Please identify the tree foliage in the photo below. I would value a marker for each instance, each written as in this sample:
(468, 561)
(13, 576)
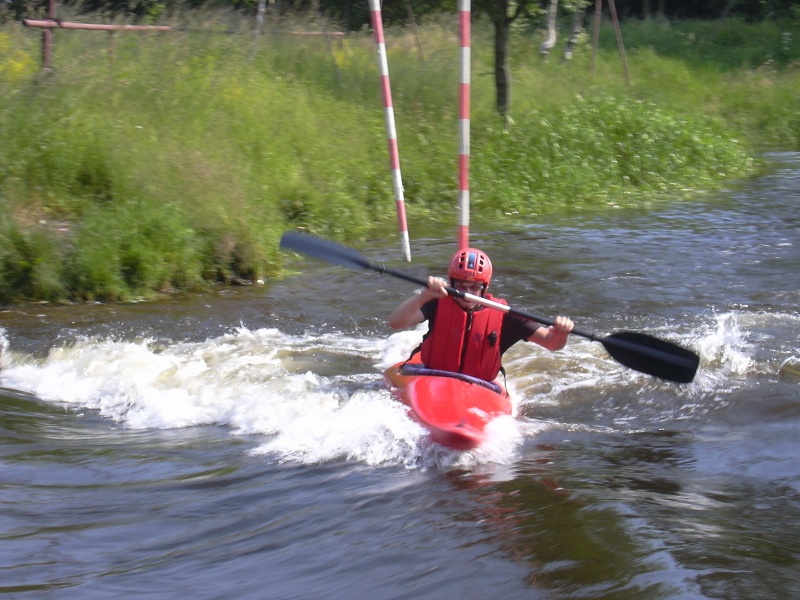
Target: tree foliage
(354, 14)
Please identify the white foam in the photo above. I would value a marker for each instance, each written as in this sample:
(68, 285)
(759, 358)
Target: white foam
(292, 390)
(726, 344)
(256, 383)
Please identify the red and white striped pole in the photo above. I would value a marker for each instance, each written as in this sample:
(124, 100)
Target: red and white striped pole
(464, 13)
(391, 132)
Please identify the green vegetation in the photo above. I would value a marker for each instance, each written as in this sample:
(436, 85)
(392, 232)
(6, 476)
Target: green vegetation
(159, 161)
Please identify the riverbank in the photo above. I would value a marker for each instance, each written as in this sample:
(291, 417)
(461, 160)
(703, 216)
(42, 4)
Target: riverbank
(171, 161)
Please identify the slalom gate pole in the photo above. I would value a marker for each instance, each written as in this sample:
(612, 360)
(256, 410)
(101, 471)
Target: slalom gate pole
(391, 131)
(464, 13)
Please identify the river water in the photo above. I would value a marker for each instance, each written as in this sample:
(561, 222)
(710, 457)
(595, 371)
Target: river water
(240, 444)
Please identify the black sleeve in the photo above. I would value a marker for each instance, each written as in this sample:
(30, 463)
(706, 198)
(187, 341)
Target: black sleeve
(516, 329)
(429, 310)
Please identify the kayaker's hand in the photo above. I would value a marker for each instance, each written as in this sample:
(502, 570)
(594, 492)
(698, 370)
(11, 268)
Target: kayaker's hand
(558, 333)
(562, 325)
(409, 313)
(437, 287)
(555, 336)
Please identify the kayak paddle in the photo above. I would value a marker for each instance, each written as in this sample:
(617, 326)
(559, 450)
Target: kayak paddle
(637, 351)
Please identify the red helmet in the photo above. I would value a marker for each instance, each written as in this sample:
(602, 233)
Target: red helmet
(471, 264)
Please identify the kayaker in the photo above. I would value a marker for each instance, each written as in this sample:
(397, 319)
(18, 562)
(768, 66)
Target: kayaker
(464, 336)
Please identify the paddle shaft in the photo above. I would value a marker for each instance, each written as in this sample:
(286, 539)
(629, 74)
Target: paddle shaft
(477, 299)
(638, 351)
(611, 343)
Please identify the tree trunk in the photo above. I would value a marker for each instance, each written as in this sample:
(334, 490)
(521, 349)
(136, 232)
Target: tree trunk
(502, 73)
(577, 28)
(551, 20)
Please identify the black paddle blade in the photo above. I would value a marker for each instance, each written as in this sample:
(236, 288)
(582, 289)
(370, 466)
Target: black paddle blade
(650, 355)
(323, 250)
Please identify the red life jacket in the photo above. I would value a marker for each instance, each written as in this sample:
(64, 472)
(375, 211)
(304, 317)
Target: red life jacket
(464, 341)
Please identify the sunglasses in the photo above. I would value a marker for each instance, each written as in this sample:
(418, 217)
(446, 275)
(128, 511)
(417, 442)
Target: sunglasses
(471, 287)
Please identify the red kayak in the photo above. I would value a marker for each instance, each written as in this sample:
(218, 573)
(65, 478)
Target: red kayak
(455, 408)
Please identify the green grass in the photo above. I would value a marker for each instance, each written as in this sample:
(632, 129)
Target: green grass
(152, 162)
(728, 45)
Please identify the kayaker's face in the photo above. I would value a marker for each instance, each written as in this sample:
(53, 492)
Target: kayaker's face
(470, 287)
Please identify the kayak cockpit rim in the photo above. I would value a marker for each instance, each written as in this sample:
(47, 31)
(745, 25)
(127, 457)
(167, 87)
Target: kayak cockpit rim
(418, 370)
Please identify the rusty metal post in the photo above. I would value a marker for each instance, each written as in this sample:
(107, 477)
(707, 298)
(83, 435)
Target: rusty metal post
(47, 38)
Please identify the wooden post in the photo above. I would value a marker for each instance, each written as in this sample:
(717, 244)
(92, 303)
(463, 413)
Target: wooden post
(620, 45)
(414, 27)
(598, 6)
